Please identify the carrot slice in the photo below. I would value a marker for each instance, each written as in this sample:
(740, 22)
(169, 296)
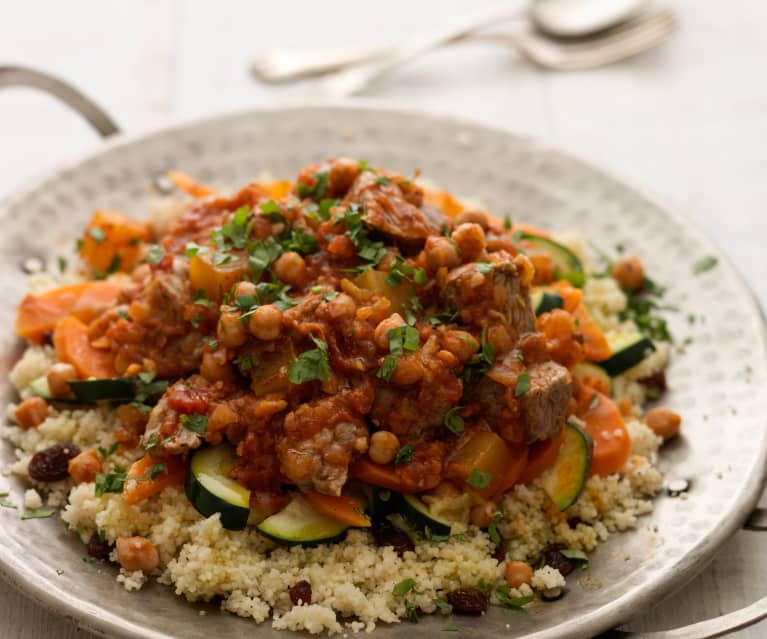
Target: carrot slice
(486, 452)
(529, 228)
(514, 471)
(149, 476)
(572, 296)
(378, 475)
(450, 205)
(112, 242)
(542, 456)
(72, 344)
(278, 189)
(595, 346)
(39, 314)
(189, 185)
(612, 444)
(344, 508)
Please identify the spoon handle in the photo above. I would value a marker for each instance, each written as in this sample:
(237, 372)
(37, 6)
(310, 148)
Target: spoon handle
(357, 79)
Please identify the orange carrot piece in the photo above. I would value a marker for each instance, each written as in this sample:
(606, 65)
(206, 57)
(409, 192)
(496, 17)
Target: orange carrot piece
(595, 346)
(278, 189)
(344, 508)
(443, 200)
(72, 344)
(39, 314)
(482, 451)
(379, 475)
(513, 473)
(572, 296)
(542, 455)
(529, 228)
(147, 478)
(189, 185)
(112, 242)
(612, 445)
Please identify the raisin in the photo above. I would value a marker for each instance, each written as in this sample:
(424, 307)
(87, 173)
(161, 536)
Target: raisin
(656, 381)
(574, 521)
(499, 554)
(468, 601)
(550, 556)
(98, 548)
(301, 593)
(387, 534)
(51, 464)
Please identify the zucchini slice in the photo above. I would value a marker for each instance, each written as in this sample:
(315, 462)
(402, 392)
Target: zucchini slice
(417, 514)
(210, 489)
(588, 370)
(299, 523)
(565, 261)
(564, 481)
(40, 388)
(118, 389)
(544, 302)
(628, 349)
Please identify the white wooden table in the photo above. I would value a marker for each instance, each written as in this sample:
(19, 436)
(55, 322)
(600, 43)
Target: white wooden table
(687, 121)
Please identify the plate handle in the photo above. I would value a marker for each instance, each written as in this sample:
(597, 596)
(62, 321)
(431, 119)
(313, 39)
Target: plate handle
(97, 117)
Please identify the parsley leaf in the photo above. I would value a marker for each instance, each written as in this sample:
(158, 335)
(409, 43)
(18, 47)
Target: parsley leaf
(97, 234)
(502, 593)
(62, 264)
(483, 267)
(576, 555)
(388, 366)
(272, 209)
(106, 453)
(403, 338)
(404, 455)
(195, 422)
(403, 587)
(704, 264)
(492, 528)
(316, 191)
(479, 479)
(453, 421)
(111, 482)
(311, 365)
(38, 513)
(155, 254)
(443, 606)
(523, 385)
(261, 255)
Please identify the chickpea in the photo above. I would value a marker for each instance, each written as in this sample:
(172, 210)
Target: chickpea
(517, 573)
(244, 288)
(85, 466)
(137, 553)
(441, 251)
(470, 240)
(383, 447)
(266, 322)
(629, 273)
(664, 422)
(215, 367)
(384, 326)
(482, 513)
(499, 337)
(473, 216)
(291, 269)
(342, 247)
(230, 330)
(342, 307)
(409, 370)
(31, 412)
(58, 376)
(462, 344)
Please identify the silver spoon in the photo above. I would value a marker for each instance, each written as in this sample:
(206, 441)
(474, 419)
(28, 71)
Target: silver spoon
(558, 18)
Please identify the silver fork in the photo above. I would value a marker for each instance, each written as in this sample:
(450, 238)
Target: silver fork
(626, 40)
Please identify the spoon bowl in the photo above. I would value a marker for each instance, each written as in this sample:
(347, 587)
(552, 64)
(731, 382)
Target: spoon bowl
(581, 18)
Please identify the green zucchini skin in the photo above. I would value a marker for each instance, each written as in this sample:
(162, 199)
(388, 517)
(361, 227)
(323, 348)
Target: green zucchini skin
(565, 261)
(118, 389)
(545, 302)
(40, 388)
(298, 523)
(627, 351)
(417, 515)
(210, 490)
(564, 481)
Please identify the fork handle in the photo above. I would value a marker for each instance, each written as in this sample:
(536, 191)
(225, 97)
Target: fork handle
(357, 79)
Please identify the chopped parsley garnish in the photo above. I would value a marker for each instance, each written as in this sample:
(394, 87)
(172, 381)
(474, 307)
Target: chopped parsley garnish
(246, 362)
(704, 264)
(403, 338)
(152, 441)
(382, 180)
(210, 342)
(443, 606)
(330, 295)
(79, 244)
(318, 190)
(576, 278)
(147, 387)
(446, 317)
(594, 401)
(311, 365)
(155, 254)
(97, 234)
(487, 351)
(388, 366)
(155, 470)
(106, 453)
(411, 612)
(272, 209)
(367, 250)
(111, 482)
(262, 254)
(196, 321)
(483, 267)
(404, 455)
(640, 307)
(200, 299)
(492, 528)
(419, 276)
(5, 502)
(479, 479)
(114, 264)
(403, 587)
(507, 222)
(233, 234)
(195, 422)
(523, 385)
(298, 240)
(652, 394)
(576, 555)
(502, 594)
(38, 513)
(62, 264)
(453, 421)
(192, 249)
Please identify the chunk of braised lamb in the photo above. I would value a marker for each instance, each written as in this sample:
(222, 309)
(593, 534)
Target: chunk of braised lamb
(501, 286)
(388, 211)
(544, 404)
(318, 441)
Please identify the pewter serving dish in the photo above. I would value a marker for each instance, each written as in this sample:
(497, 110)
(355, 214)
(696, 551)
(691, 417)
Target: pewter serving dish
(723, 451)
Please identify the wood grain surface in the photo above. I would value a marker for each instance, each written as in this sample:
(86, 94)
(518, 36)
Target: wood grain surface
(687, 122)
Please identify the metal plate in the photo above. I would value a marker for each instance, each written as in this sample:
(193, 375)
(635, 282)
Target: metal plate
(717, 384)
